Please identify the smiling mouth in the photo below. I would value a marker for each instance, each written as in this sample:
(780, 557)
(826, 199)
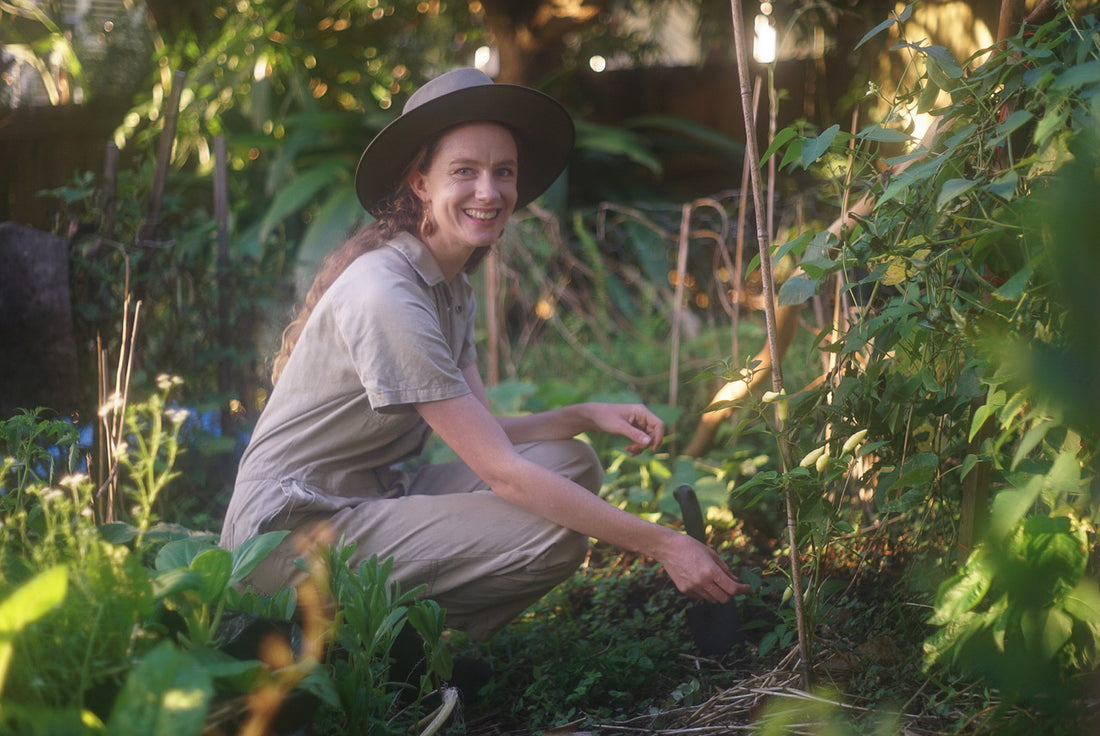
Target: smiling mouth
(482, 214)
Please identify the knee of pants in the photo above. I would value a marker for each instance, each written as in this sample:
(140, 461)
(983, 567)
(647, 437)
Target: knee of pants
(571, 458)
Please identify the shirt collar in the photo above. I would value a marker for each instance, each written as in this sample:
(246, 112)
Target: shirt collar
(418, 256)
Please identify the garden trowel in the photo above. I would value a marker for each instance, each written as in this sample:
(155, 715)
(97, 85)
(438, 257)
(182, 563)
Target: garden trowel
(716, 627)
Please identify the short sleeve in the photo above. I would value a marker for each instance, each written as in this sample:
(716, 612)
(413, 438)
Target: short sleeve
(402, 350)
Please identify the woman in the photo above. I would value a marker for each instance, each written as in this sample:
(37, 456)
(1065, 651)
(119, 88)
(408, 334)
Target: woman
(382, 354)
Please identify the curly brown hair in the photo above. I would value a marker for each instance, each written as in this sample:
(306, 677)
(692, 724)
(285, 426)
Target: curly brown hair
(401, 211)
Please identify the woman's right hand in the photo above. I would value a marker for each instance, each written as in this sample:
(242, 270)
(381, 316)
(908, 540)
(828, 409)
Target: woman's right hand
(697, 570)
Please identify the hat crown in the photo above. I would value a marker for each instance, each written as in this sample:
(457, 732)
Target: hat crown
(445, 84)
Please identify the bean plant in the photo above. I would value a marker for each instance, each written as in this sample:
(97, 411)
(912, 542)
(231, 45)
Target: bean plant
(967, 371)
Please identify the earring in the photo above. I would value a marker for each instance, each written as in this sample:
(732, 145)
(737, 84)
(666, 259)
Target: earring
(427, 226)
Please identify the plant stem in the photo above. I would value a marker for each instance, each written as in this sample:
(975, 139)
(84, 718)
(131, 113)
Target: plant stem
(768, 282)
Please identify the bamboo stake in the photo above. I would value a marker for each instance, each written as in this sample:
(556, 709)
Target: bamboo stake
(221, 216)
(678, 304)
(164, 157)
(768, 283)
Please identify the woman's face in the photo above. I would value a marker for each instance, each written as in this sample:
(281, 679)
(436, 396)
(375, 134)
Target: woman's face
(469, 188)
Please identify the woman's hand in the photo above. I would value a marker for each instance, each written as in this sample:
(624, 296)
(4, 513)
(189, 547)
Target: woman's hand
(697, 570)
(634, 421)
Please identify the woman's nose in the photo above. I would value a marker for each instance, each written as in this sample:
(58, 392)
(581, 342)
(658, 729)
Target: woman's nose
(487, 188)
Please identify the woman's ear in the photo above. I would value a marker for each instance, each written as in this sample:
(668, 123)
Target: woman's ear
(418, 186)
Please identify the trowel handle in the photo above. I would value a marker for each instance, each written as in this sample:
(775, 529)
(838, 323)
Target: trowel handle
(692, 513)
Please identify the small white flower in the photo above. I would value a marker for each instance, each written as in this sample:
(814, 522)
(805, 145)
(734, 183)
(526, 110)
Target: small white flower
(177, 415)
(113, 404)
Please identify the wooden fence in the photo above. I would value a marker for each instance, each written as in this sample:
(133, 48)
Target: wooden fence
(44, 148)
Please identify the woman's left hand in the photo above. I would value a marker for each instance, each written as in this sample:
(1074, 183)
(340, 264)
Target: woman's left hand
(634, 421)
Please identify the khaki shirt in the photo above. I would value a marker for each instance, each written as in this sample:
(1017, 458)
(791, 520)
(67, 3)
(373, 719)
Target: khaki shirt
(389, 333)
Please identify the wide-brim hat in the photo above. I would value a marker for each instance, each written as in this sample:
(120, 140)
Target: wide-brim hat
(542, 128)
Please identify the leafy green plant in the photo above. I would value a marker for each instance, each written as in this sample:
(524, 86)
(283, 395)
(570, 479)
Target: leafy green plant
(371, 611)
(952, 271)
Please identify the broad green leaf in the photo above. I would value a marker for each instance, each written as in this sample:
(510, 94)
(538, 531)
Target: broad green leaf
(1009, 507)
(796, 290)
(167, 694)
(953, 189)
(903, 15)
(815, 148)
(1078, 75)
(1057, 629)
(175, 580)
(963, 592)
(1053, 549)
(334, 221)
(118, 532)
(1052, 122)
(1004, 186)
(780, 140)
(1063, 479)
(296, 192)
(1029, 441)
(928, 96)
(882, 134)
(252, 552)
(31, 601)
(949, 638)
(179, 554)
(1083, 603)
(1011, 123)
(796, 246)
(793, 154)
(1015, 287)
(214, 566)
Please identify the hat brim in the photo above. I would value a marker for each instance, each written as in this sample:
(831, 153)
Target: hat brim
(543, 129)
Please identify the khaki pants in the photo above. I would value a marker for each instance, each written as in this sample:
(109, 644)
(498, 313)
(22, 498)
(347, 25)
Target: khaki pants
(483, 559)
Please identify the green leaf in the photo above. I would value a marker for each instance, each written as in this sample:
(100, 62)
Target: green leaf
(118, 532)
(1052, 122)
(953, 189)
(1032, 438)
(815, 148)
(1078, 75)
(214, 566)
(31, 601)
(167, 694)
(1057, 630)
(173, 581)
(1083, 603)
(252, 552)
(1009, 507)
(329, 227)
(1015, 287)
(780, 140)
(295, 193)
(179, 553)
(1011, 123)
(903, 15)
(882, 134)
(963, 592)
(1004, 186)
(796, 290)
